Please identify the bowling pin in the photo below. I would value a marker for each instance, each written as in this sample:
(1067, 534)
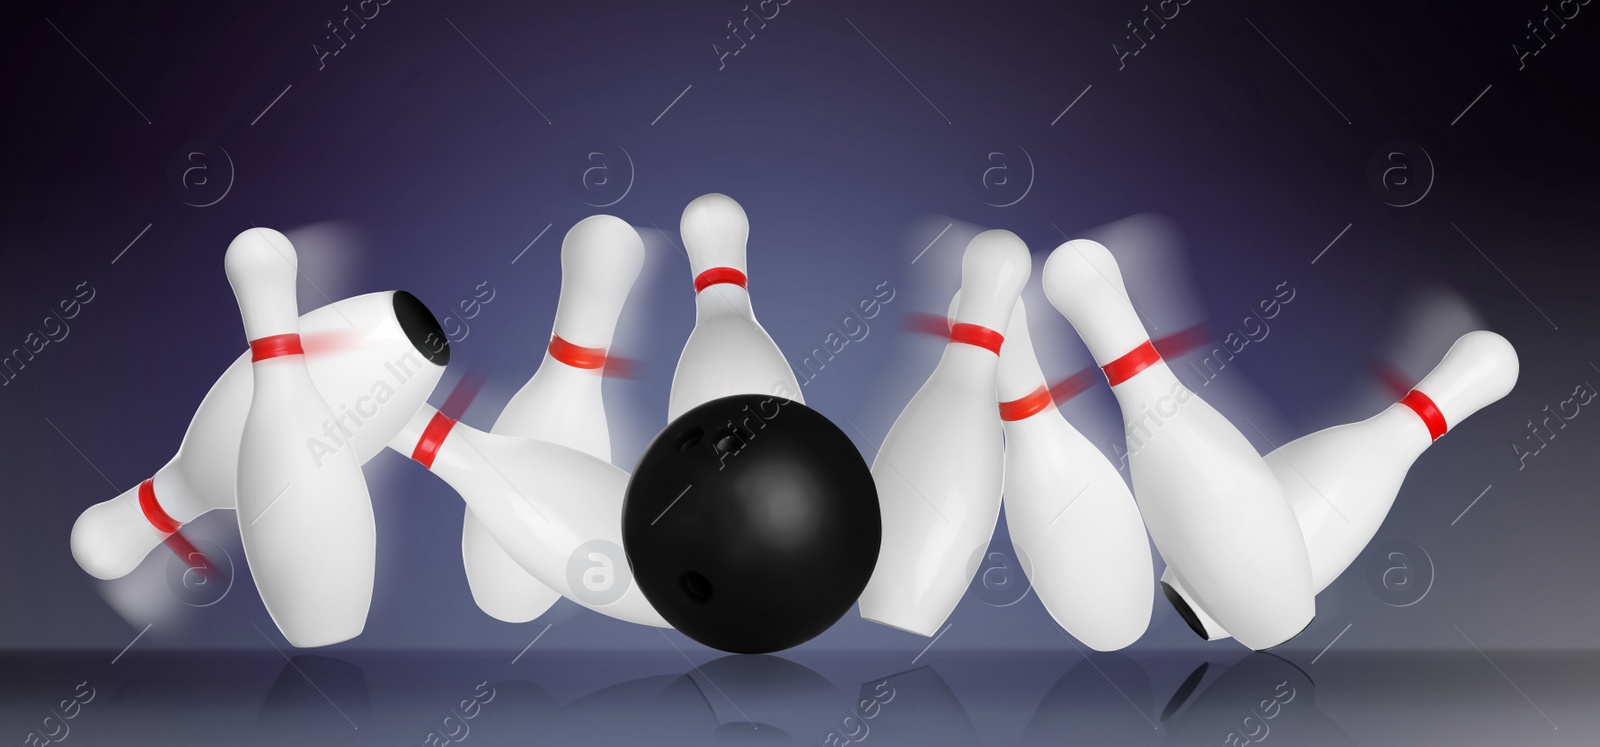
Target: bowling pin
(600, 259)
(383, 353)
(728, 352)
(1342, 481)
(556, 511)
(939, 470)
(304, 513)
(1073, 522)
(1213, 507)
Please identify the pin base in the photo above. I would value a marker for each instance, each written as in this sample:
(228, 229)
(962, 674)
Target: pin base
(901, 628)
(1290, 638)
(421, 328)
(1184, 611)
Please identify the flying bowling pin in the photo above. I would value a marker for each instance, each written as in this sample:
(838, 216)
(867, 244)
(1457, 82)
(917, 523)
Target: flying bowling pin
(600, 259)
(1213, 507)
(728, 352)
(556, 511)
(304, 514)
(1072, 520)
(940, 468)
(1342, 481)
(385, 352)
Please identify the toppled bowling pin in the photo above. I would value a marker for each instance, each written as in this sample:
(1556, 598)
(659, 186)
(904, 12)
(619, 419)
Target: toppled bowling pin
(556, 511)
(384, 353)
(1213, 507)
(1342, 481)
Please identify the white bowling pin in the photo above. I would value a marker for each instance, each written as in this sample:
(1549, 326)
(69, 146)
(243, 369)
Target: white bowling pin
(600, 259)
(556, 511)
(1342, 481)
(939, 470)
(381, 355)
(728, 352)
(1073, 522)
(1213, 507)
(304, 513)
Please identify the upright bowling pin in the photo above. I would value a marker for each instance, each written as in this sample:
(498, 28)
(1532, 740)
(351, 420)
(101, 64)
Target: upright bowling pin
(728, 352)
(939, 470)
(384, 354)
(1214, 509)
(1342, 481)
(600, 260)
(304, 514)
(556, 511)
(1072, 520)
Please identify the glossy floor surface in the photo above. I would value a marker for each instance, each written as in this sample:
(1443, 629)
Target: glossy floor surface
(697, 697)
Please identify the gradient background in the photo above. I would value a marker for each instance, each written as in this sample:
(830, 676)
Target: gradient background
(444, 141)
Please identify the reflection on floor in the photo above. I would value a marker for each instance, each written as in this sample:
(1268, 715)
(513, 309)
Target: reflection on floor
(954, 698)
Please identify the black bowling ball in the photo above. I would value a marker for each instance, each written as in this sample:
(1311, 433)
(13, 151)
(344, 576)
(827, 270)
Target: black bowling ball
(751, 523)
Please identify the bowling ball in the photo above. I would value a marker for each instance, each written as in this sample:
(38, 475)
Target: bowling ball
(751, 523)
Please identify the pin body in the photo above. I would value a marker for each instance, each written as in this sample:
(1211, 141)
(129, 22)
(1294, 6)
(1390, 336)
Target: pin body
(1342, 481)
(304, 515)
(1072, 520)
(939, 470)
(600, 259)
(728, 352)
(556, 511)
(385, 352)
(1213, 507)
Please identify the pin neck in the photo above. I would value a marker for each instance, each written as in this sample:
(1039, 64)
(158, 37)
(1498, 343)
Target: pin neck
(976, 335)
(432, 438)
(576, 356)
(1423, 406)
(718, 276)
(1026, 407)
(1131, 363)
(153, 512)
(275, 346)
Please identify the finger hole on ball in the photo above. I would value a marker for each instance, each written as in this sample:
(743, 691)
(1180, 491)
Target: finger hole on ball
(689, 439)
(728, 441)
(697, 587)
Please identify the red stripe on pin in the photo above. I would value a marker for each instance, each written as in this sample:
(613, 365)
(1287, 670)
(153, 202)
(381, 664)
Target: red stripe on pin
(432, 438)
(717, 276)
(1131, 363)
(153, 512)
(1428, 411)
(275, 346)
(1026, 407)
(972, 334)
(577, 356)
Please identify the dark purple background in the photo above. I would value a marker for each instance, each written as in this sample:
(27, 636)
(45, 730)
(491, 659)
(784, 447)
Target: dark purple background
(443, 171)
